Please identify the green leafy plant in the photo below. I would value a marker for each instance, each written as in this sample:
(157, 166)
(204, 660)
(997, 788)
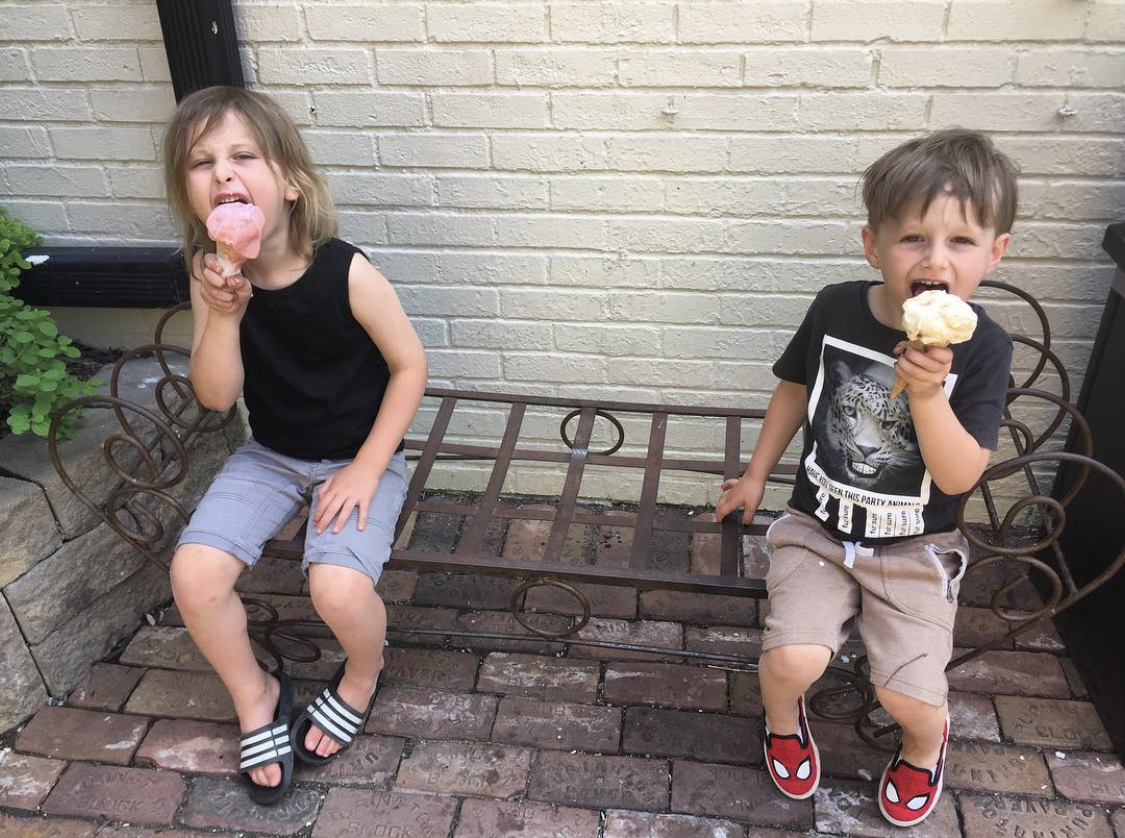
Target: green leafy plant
(33, 377)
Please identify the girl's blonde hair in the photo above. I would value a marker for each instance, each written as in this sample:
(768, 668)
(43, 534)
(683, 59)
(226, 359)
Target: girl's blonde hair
(312, 218)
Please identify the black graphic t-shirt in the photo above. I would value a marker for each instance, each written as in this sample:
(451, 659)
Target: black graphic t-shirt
(861, 470)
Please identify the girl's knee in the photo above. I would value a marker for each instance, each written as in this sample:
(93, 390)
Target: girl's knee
(906, 708)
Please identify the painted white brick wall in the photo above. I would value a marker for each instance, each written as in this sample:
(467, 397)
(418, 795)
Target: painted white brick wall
(634, 199)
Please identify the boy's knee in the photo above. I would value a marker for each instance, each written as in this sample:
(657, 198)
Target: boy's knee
(905, 708)
(201, 575)
(336, 596)
(804, 662)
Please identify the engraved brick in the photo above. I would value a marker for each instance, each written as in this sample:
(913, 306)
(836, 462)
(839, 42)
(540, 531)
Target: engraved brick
(972, 716)
(702, 609)
(167, 647)
(224, 804)
(396, 585)
(844, 754)
(13, 827)
(701, 736)
(197, 747)
(730, 791)
(112, 831)
(435, 532)
(466, 768)
(361, 813)
(725, 640)
(1042, 637)
(426, 668)
(605, 600)
(527, 539)
(1118, 820)
(557, 725)
(559, 680)
(745, 694)
(989, 767)
(190, 695)
(371, 760)
(1052, 724)
(977, 626)
(645, 825)
(506, 623)
(274, 576)
(1097, 778)
(685, 687)
(849, 808)
(69, 733)
(26, 780)
(427, 714)
(641, 633)
(402, 618)
(599, 782)
(1021, 673)
(136, 795)
(106, 687)
(512, 819)
(463, 590)
(1011, 817)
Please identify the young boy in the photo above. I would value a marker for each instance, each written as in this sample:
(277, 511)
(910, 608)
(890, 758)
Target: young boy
(870, 533)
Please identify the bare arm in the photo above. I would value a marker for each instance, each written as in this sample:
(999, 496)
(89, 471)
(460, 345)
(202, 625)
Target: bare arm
(216, 358)
(784, 417)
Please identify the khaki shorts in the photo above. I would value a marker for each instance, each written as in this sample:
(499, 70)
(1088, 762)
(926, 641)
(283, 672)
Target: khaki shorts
(902, 596)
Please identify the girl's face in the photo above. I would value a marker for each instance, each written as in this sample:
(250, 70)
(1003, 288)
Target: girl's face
(227, 165)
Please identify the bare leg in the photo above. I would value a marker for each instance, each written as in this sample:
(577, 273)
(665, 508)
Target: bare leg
(203, 583)
(922, 726)
(347, 602)
(785, 673)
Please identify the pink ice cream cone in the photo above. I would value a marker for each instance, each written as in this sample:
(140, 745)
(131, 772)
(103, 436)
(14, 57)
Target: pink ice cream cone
(236, 229)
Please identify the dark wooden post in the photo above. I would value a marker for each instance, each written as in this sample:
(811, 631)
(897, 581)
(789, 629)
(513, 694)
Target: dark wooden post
(201, 44)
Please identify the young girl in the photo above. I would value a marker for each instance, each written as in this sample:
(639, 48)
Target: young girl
(332, 373)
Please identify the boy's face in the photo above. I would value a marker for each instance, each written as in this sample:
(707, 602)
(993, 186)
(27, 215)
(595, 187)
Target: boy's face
(945, 249)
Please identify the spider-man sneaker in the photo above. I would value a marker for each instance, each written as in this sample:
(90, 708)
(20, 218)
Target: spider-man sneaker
(792, 759)
(907, 794)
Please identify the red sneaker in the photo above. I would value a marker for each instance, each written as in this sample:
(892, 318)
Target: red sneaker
(792, 759)
(907, 794)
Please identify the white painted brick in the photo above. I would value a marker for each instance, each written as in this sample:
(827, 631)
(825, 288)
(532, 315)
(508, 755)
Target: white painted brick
(548, 153)
(595, 338)
(434, 67)
(667, 153)
(762, 22)
(607, 194)
(555, 367)
(668, 235)
(684, 374)
(449, 302)
(479, 110)
(85, 64)
(363, 228)
(724, 342)
(305, 66)
(132, 22)
(1053, 280)
(40, 22)
(295, 103)
(19, 141)
(680, 68)
(431, 332)
(363, 108)
(340, 148)
(117, 143)
(696, 111)
(665, 307)
(832, 238)
(1072, 200)
(769, 310)
(1106, 21)
(610, 271)
(1064, 155)
(154, 64)
(406, 266)
(552, 304)
(1071, 67)
(796, 154)
(60, 181)
(134, 104)
(946, 66)
(441, 229)
(490, 334)
(487, 22)
(380, 190)
(13, 64)
(460, 363)
(541, 231)
(491, 192)
(136, 181)
(493, 268)
(878, 20)
(457, 151)
(862, 111)
(265, 24)
(1015, 20)
(761, 196)
(555, 67)
(613, 23)
(371, 23)
(40, 215)
(248, 60)
(1052, 240)
(817, 66)
(1103, 112)
(147, 220)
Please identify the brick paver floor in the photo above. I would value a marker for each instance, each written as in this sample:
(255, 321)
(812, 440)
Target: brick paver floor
(488, 739)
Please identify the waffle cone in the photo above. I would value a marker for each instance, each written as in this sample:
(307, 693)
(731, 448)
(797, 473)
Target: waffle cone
(900, 385)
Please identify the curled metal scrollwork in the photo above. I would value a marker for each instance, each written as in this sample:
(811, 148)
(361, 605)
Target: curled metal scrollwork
(609, 417)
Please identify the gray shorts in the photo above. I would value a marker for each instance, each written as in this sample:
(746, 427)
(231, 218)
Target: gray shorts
(259, 490)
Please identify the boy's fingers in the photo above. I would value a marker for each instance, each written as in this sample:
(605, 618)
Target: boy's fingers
(345, 512)
(362, 515)
(729, 483)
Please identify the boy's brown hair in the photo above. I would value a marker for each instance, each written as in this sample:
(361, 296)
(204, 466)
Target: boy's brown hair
(312, 219)
(961, 162)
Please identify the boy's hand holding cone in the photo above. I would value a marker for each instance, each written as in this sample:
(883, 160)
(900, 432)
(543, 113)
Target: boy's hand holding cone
(935, 318)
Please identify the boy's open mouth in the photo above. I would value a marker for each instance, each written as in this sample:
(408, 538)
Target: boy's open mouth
(918, 287)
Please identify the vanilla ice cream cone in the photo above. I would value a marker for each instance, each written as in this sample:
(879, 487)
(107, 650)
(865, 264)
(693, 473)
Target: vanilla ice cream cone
(935, 318)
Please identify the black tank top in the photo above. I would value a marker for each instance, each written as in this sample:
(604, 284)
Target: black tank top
(314, 378)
